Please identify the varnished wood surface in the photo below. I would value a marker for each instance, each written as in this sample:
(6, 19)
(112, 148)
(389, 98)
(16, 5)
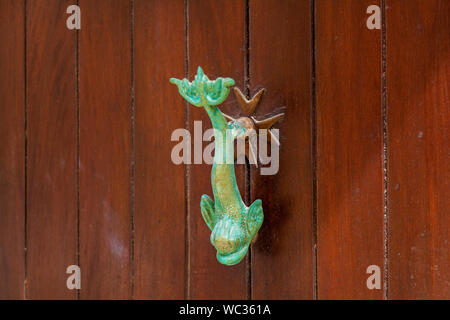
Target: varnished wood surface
(12, 150)
(160, 214)
(280, 61)
(349, 150)
(51, 232)
(418, 143)
(105, 153)
(86, 175)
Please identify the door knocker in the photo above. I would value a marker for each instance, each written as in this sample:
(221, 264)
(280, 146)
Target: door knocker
(233, 224)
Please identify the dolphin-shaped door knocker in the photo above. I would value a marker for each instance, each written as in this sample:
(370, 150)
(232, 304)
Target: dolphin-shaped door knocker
(233, 224)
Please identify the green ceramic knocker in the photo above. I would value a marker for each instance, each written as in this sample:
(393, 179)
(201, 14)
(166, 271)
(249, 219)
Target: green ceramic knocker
(233, 224)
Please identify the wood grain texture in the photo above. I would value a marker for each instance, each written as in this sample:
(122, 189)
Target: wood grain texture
(12, 150)
(349, 150)
(51, 155)
(418, 69)
(160, 196)
(216, 34)
(105, 135)
(280, 61)
(141, 234)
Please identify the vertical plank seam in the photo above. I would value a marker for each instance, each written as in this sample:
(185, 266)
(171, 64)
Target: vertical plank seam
(385, 149)
(247, 169)
(186, 166)
(25, 87)
(132, 147)
(314, 148)
(77, 142)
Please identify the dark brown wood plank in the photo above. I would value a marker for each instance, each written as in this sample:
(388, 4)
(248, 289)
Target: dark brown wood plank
(349, 150)
(159, 184)
(12, 151)
(51, 164)
(105, 135)
(216, 34)
(280, 61)
(418, 69)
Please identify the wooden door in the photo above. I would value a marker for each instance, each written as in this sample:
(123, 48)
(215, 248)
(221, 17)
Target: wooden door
(357, 210)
